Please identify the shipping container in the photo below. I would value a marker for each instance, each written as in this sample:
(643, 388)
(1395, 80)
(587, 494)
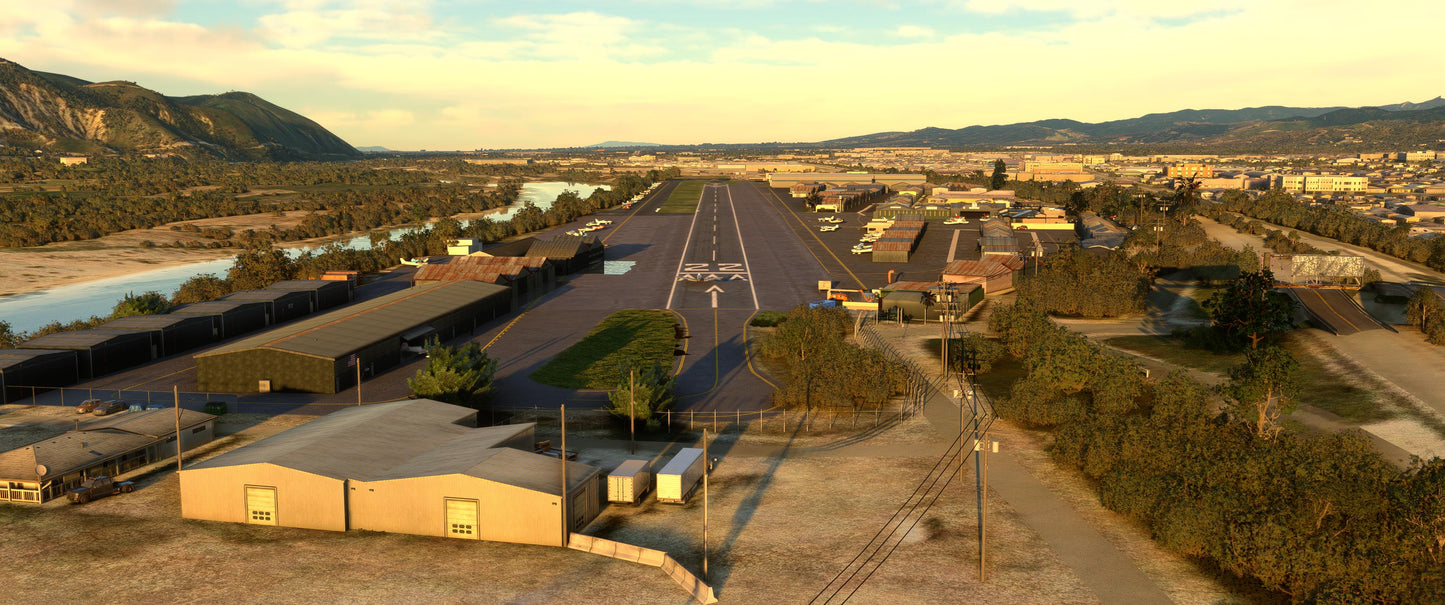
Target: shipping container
(629, 482)
(677, 481)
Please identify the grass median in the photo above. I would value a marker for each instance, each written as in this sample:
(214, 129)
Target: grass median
(684, 198)
(632, 335)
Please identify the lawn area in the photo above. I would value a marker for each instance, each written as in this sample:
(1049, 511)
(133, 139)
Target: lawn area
(1320, 386)
(684, 198)
(593, 362)
(1173, 350)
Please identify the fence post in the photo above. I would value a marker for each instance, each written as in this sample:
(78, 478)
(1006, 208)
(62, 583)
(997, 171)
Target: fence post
(669, 422)
(714, 422)
(690, 416)
(785, 419)
(876, 416)
(740, 416)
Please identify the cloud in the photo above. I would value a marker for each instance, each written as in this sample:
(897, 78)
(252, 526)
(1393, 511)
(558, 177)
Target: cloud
(913, 31)
(310, 22)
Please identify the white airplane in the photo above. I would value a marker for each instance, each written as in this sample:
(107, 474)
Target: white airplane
(415, 262)
(828, 228)
(827, 219)
(833, 220)
(957, 220)
(575, 232)
(600, 221)
(863, 249)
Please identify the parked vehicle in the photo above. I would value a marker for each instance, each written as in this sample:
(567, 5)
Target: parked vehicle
(98, 487)
(827, 219)
(107, 408)
(863, 249)
(957, 220)
(629, 482)
(87, 406)
(677, 481)
(828, 228)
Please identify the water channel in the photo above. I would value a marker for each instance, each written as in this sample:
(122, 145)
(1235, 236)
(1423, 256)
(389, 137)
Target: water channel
(30, 310)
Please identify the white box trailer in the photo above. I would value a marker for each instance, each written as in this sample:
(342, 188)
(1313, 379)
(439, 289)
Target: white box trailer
(629, 482)
(680, 477)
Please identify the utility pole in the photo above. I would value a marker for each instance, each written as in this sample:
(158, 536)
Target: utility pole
(566, 526)
(706, 470)
(983, 509)
(631, 412)
(358, 382)
(176, 392)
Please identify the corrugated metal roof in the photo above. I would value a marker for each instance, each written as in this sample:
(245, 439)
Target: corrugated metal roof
(987, 267)
(214, 307)
(264, 295)
(490, 269)
(95, 442)
(10, 358)
(911, 286)
(82, 339)
(341, 332)
(516, 247)
(405, 439)
(307, 285)
(892, 246)
(565, 246)
(151, 322)
(356, 443)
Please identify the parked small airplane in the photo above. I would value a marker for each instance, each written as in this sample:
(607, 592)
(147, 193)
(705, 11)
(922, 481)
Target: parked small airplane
(828, 228)
(863, 249)
(414, 262)
(827, 219)
(957, 220)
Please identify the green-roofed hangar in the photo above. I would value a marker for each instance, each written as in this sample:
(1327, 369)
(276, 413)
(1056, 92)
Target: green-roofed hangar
(317, 354)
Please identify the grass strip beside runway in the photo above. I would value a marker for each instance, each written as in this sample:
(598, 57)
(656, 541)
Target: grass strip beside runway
(593, 363)
(684, 198)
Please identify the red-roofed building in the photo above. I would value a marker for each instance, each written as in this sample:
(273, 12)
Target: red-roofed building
(994, 272)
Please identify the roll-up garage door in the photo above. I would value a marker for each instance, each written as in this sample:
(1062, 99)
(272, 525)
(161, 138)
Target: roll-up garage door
(261, 505)
(462, 517)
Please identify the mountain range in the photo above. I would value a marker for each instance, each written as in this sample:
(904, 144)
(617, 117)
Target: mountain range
(68, 114)
(1273, 127)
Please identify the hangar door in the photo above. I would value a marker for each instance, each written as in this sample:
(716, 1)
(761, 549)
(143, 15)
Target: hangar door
(462, 517)
(260, 505)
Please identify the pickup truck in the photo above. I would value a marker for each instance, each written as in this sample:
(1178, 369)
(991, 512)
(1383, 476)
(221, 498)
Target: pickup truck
(98, 487)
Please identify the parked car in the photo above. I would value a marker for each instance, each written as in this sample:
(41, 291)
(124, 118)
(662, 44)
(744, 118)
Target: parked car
(87, 406)
(98, 487)
(107, 408)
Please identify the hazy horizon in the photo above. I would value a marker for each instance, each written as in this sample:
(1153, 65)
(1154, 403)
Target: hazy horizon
(417, 74)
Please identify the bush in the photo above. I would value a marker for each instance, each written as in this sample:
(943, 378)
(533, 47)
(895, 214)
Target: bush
(767, 319)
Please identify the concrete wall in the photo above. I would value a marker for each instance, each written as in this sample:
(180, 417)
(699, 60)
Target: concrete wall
(302, 499)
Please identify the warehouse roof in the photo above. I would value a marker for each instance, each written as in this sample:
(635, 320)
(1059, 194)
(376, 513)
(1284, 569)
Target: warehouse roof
(213, 307)
(80, 339)
(341, 332)
(516, 247)
(150, 322)
(14, 357)
(261, 295)
(488, 269)
(94, 442)
(986, 267)
(307, 285)
(566, 246)
(356, 443)
(477, 454)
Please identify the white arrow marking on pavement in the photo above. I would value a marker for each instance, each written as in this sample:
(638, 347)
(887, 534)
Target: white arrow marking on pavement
(714, 290)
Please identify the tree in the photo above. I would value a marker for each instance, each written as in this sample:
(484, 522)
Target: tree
(146, 303)
(203, 287)
(9, 338)
(1000, 175)
(255, 269)
(1262, 389)
(643, 391)
(460, 375)
(1250, 309)
(809, 342)
(1186, 197)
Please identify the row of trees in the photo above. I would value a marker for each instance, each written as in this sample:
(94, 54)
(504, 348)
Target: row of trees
(823, 369)
(1336, 222)
(1319, 518)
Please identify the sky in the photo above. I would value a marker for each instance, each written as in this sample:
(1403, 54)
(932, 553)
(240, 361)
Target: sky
(464, 74)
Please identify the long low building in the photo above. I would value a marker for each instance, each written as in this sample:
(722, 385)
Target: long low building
(114, 445)
(26, 372)
(414, 467)
(320, 354)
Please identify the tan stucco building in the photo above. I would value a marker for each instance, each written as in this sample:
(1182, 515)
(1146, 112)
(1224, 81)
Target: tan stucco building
(413, 467)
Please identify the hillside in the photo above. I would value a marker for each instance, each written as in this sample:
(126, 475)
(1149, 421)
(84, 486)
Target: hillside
(1280, 128)
(70, 114)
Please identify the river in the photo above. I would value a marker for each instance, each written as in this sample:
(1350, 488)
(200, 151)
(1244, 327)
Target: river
(30, 310)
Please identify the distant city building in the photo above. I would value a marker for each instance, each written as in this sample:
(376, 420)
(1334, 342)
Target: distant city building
(73, 160)
(1189, 171)
(1319, 183)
